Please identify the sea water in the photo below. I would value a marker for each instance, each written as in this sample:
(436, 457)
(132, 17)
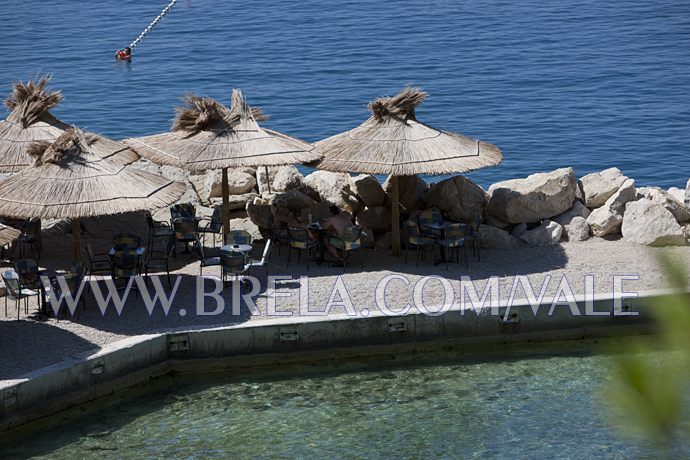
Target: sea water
(583, 83)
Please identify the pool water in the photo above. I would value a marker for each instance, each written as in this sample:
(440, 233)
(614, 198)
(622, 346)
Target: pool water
(516, 406)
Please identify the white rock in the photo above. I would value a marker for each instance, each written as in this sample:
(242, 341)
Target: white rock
(534, 198)
(577, 229)
(578, 210)
(293, 199)
(495, 238)
(676, 207)
(547, 233)
(287, 178)
(650, 223)
(599, 187)
(459, 197)
(687, 194)
(259, 211)
(677, 193)
(335, 188)
(607, 219)
(248, 225)
(235, 201)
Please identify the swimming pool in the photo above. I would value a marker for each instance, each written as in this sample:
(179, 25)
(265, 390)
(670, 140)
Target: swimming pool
(536, 402)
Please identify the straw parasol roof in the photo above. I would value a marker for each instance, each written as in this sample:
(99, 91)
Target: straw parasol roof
(8, 234)
(67, 180)
(208, 135)
(393, 142)
(30, 120)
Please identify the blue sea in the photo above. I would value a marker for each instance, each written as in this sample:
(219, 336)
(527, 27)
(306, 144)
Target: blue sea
(588, 83)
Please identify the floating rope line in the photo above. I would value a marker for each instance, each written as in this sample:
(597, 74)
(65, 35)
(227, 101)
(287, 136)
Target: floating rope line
(143, 34)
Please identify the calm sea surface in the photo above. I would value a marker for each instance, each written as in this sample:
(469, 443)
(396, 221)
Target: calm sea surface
(585, 83)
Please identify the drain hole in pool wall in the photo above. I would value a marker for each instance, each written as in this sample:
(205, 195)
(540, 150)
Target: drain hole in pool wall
(178, 343)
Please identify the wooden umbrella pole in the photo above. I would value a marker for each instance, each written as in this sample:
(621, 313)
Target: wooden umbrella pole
(395, 216)
(226, 203)
(268, 179)
(76, 235)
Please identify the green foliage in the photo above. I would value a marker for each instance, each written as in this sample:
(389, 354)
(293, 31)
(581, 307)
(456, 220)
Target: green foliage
(647, 394)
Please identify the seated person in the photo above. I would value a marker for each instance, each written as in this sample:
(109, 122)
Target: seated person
(281, 215)
(335, 225)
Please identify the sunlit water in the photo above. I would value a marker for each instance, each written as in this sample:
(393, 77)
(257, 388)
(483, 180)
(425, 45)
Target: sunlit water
(517, 406)
(585, 83)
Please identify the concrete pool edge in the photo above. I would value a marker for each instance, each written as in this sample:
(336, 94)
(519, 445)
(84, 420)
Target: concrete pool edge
(135, 360)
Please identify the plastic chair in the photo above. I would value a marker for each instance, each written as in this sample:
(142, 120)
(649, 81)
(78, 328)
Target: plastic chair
(349, 242)
(416, 240)
(126, 241)
(232, 263)
(125, 264)
(238, 237)
(184, 210)
(298, 239)
(203, 260)
(214, 226)
(97, 262)
(29, 236)
(263, 262)
(186, 231)
(16, 292)
(454, 239)
(158, 258)
(158, 229)
(73, 278)
(431, 217)
(473, 236)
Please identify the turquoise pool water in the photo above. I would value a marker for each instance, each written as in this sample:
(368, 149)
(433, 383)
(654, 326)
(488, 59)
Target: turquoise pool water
(516, 406)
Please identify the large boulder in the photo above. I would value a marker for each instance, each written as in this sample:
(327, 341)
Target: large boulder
(413, 192)
(577, 229)
(607, 219)
(369, 190)
(687, 194)
(459, 197)
(577, 210)
(248, 225)
(547, 233)
(495, 238)
(293, 199)
(676, 207)
(288, 178)
(259, 211)
(599, 187)
(376, 218)
(235, 202)
(532, 199)
(239, 183)
(677, 193)
(650, 223)
(335, 188)
(264, 178)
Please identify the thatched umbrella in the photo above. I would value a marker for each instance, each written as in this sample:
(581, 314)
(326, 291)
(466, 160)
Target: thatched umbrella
(30, 120)
(208, 135)
(8, 234)
(394, 143)
(68, 181)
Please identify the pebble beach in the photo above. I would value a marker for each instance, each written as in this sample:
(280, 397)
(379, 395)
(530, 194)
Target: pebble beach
(30, 344)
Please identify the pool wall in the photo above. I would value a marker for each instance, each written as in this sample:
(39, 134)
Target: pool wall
(136, 360)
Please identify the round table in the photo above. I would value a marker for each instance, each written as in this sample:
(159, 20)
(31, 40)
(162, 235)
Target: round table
(243, 248)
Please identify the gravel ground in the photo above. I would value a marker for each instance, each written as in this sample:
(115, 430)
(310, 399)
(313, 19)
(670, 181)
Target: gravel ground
(30, 343)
